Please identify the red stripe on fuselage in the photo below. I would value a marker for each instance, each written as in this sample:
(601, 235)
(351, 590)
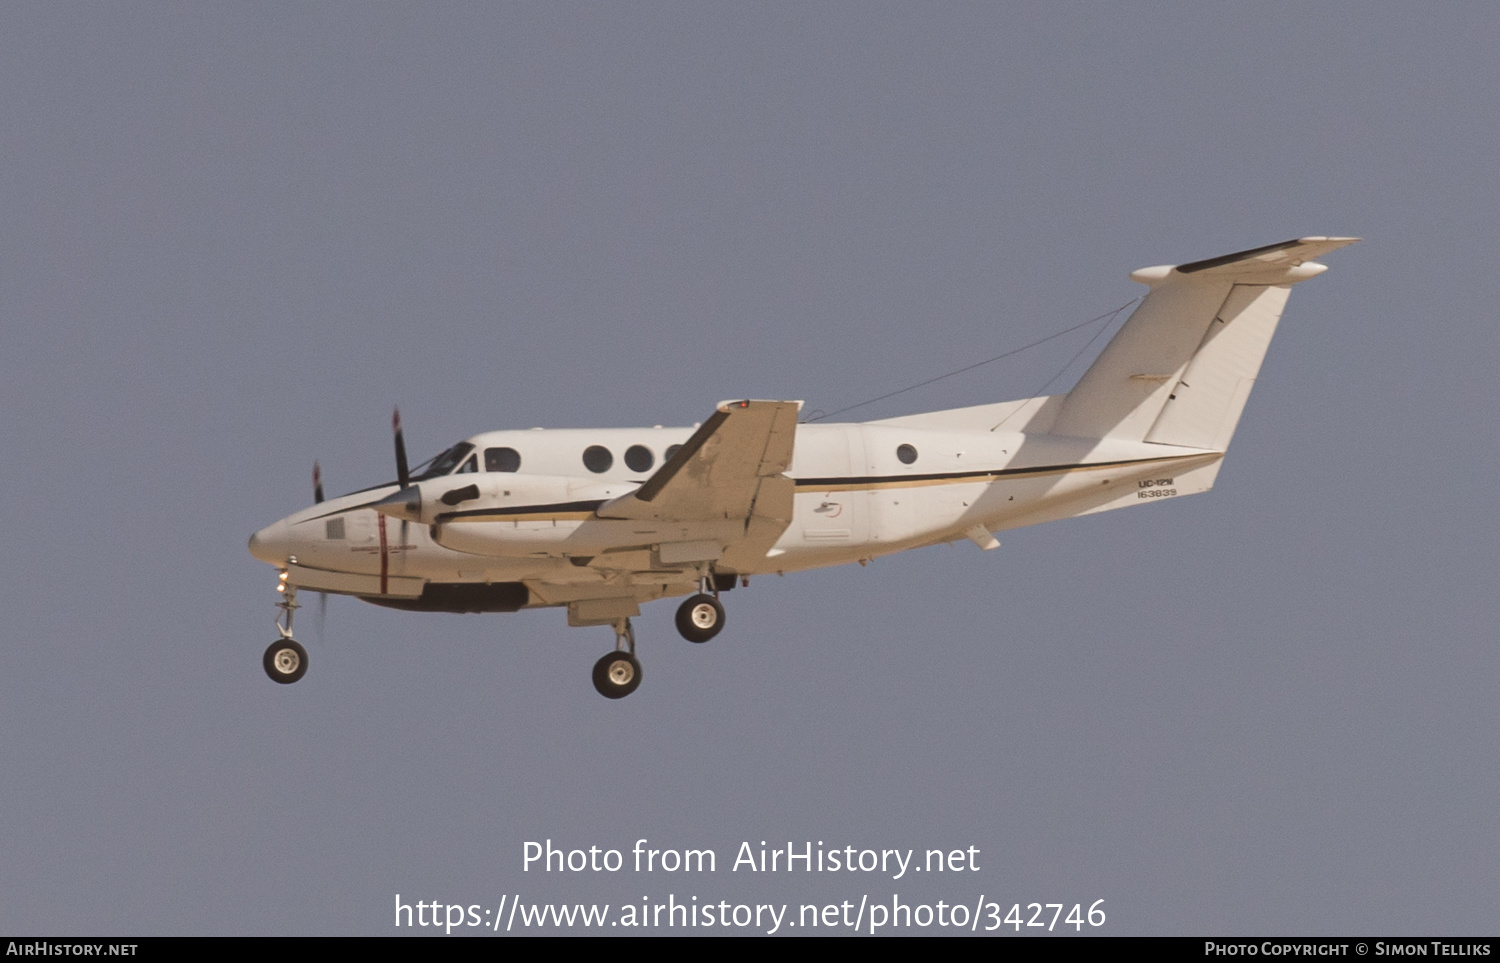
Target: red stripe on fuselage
(385, 555)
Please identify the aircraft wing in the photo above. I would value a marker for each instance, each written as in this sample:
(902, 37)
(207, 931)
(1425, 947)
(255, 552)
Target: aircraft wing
(721, 471)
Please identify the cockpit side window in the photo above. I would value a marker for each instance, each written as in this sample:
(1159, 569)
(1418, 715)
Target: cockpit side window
(502, 459)
(472, 465)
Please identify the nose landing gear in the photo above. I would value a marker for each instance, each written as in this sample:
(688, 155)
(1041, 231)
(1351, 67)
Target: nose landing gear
(285, 660)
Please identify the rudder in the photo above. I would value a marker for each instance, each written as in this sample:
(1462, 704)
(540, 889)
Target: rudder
(1205, 404)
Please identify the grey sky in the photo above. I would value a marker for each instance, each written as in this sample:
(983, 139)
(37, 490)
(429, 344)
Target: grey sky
(235, 235)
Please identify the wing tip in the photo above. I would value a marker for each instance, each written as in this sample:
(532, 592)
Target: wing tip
(733, 403)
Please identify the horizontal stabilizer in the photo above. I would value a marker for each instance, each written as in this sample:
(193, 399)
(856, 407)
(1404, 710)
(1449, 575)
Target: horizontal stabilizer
(1287, 254)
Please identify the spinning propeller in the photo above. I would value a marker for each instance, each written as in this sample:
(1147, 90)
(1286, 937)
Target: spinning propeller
(408, 496)
(406, 503)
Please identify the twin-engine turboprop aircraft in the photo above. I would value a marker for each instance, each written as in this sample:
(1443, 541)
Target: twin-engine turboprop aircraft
(599, 521)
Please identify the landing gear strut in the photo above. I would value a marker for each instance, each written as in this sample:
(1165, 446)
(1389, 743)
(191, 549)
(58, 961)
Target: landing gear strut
(619, 673)
(285, 660)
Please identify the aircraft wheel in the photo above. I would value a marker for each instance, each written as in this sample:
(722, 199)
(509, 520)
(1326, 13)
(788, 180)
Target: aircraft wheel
(617, 675)
(700, 618)
(285, 661)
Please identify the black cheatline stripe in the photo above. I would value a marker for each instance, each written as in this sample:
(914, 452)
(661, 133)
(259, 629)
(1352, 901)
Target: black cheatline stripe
(557, 508)
(990, 473)
(667, 472)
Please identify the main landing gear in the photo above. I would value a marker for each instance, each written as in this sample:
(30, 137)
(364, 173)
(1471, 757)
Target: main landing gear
(699, 619)
(619, 673)
(285, 660)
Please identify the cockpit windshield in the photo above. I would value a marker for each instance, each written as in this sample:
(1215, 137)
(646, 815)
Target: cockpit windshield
(444, 463)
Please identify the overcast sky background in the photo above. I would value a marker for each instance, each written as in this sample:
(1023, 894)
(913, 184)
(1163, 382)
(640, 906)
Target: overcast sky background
(235, 235)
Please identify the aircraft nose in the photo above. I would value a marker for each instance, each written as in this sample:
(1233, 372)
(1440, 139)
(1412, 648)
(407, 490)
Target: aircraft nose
(271, 544)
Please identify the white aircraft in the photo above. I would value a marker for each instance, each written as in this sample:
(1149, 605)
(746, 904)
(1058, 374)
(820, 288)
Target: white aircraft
(598, 521)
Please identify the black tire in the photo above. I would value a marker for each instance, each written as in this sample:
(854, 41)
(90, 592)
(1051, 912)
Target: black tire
(285, 661)
(617, 675)
(700, 618)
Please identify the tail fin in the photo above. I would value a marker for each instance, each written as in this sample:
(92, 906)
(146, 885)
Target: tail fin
(1180, 369)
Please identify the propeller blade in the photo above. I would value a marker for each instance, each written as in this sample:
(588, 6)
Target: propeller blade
(317, 484)
(403, 475)
(322, 613)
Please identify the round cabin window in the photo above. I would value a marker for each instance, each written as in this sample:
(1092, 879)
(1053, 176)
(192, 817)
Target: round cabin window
(597, 459)
(639, 458)
(906, 453)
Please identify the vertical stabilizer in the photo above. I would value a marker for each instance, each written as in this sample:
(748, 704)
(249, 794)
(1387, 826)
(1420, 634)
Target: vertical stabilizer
(1180, 369)
(1124, 389)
